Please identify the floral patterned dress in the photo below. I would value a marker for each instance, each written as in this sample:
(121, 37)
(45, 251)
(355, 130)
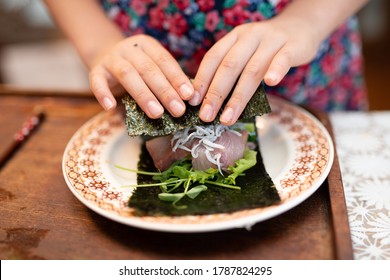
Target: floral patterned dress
(188, 28)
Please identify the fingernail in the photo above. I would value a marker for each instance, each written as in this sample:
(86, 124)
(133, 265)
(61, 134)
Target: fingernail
(227, 116)
(177, 108)
(195, 100)
(108, 103)
(272, 76)
(155, 109)
(186, 91)
(207, 113)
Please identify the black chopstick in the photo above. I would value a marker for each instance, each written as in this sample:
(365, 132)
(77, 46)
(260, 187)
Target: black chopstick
(28, 127)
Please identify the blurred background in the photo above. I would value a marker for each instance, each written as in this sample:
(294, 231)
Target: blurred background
(35, 54)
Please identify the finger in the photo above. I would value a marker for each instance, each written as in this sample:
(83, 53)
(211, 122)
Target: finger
(128, 76)
(226, 76)
(170, 68)
(281, 63)
(209, 66)
(100, 88)
(157, 82)
(249, 80)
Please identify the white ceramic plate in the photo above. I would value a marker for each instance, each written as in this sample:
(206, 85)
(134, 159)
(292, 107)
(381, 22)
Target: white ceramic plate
(297, 151)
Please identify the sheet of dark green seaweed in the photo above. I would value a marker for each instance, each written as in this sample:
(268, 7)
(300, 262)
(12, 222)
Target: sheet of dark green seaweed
(138, 123)
(257, 190)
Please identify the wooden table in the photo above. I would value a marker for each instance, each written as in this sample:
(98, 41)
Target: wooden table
(41, 219)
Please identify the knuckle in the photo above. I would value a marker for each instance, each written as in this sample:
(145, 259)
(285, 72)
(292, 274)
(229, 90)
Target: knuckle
(147, 38)
(211, 55)
(123, 71)
(96, 84)
(200, 85)
(180, 78)
(214, 94)
(236, 100)
(162, 58)
(286, 56)
(96, 87)
(141, 36)
(244, 29)
(139, 95)
(239, 28)
(146, 67)
(254, 27)
(165, 93)
(200, 82)
(95, 75)
(229, 63)
(137, 38)
(93, 78)
(277, 35)
(252, 70)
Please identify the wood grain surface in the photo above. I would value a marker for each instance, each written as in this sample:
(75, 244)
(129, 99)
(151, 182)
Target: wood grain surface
(41, 219)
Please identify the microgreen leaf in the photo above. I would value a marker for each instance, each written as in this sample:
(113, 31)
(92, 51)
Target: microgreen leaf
(217, 183)
(202, 176)
(195, 191)
(174, 198)
(163, 176)
(181, 172)
(137, 171)
(248, 161)
(171, 197)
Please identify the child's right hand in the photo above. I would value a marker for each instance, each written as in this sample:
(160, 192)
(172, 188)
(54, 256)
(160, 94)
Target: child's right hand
(147, 71)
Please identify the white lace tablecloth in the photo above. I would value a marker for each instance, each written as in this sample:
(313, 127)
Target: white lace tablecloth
(363, 146)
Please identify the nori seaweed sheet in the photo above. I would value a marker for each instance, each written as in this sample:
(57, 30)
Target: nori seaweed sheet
(138, 123)
(257, 190)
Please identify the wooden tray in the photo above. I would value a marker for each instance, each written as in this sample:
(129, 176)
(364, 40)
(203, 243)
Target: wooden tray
(41, 219)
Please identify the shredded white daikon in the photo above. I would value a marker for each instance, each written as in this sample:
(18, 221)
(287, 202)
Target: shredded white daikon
(201, 138)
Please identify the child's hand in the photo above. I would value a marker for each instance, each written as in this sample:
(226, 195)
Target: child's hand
(146, 71)
(251, 52)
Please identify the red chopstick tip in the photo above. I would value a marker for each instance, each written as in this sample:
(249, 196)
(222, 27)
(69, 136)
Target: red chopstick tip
(30, 124)
(21, 136)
